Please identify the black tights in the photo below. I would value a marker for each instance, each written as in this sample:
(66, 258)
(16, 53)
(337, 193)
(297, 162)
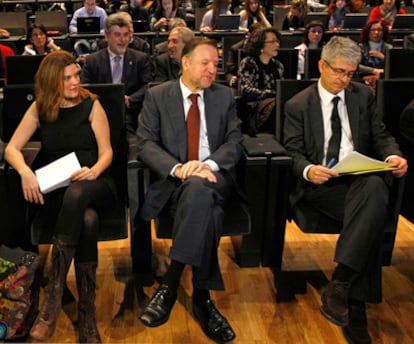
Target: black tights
(78, 217)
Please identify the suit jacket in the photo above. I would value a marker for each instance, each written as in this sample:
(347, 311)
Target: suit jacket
(304, 133)
(162, 140)
(136, 73)
(166, 68)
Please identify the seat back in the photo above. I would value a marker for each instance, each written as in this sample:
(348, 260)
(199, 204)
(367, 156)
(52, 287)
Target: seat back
(53, 20)
(311, 69)
(286, 89)
(289, 59)
(395, 59)
(114, 221)
(279, 15)
(14, 22)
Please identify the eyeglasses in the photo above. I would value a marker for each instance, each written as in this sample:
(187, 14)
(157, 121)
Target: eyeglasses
(340, 72)
(273, 41)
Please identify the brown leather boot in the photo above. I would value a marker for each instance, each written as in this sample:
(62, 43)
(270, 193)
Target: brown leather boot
(86, 283)
(62, 255)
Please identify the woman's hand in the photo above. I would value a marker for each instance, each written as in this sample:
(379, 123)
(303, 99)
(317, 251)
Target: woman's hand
(377, 54)
(30, 187)
(85, 173)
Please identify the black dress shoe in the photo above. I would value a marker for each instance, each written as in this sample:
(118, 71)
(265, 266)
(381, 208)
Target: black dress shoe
(214, 325)
(157, 312)
(335, 303)
(356, 332)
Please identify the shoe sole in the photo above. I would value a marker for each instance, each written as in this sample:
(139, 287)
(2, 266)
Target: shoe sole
(332, 319)
(154, 324)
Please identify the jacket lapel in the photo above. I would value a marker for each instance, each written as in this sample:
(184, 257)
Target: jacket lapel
(211, 107)
(175, 110)
(352, 105)
(317, 123)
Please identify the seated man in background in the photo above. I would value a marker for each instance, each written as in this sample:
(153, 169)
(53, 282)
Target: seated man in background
(89, 9)
(168, 65)
(120, 64)
(162, 47)
(323, 124)
(135, 42)
(189, 134)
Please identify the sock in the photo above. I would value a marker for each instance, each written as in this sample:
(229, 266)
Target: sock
(173, 275)
(200, 295)
(344, 273)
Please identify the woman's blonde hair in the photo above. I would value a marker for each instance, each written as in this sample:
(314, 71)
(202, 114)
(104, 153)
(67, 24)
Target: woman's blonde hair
(49, 84)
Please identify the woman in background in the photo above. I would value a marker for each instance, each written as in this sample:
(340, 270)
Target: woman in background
(166, 10)
(71, 119)
(373, 44)
(295, 18)
(40, 43)
(211, 17)
(312, 39)
(337, 10)
(386, 12)
(252, 13)
(260, 69)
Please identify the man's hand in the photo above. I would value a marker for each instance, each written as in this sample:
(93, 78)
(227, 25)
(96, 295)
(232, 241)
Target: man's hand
(401, 165)
(195, 168)
(319, 174)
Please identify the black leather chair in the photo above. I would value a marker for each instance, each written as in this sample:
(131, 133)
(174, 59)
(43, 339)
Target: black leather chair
(398, 63)
(289, 283)
(393, 95)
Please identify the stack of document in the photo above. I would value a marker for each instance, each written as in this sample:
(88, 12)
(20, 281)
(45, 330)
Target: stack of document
(357, 163)
(57, 174)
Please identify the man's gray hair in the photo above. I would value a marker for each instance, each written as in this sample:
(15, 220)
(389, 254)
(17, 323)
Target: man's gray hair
(343, 47)
(118, 19)
(186, 34)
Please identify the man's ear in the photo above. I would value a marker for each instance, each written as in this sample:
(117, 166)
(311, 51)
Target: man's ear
(321, 65)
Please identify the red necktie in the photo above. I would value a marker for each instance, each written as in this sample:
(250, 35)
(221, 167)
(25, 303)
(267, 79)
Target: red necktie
(193, 128)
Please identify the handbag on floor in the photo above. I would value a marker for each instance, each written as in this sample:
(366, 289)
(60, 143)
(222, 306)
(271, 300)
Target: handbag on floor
(18, 300)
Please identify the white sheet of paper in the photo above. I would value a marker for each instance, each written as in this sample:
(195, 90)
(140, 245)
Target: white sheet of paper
(357, 163)
(57, 174)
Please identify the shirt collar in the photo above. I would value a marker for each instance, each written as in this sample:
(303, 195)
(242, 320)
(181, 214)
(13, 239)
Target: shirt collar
(327, 96)
(186, 91)
(112, 55)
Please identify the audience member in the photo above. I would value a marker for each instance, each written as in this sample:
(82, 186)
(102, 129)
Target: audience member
(136, 42)
(70, 119)
(89, 9)
(237, 51)
(325, 123)
(120, 64)
(166, 10)
(373, 44)
(252, 13)
(40, 43)
(4, 51)
(312, 39)
(137, 11)
(162, 47)
(168, 65)
(386, 12)
(211, 17)
(258, 73)
(337, 10)
(196, 170)
(295, 18)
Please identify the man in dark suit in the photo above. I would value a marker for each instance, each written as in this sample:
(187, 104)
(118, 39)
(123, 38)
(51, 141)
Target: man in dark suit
(135, 67)
(168, 65)
(193, 187)
(321, 129)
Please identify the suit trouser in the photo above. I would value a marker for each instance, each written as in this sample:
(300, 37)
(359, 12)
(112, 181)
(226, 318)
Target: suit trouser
(197, 208)
(361, 203)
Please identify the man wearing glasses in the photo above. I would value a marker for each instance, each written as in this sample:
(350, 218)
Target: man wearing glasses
(323, 124)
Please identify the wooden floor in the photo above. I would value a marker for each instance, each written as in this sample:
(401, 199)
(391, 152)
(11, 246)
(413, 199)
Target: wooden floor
(249, 299)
